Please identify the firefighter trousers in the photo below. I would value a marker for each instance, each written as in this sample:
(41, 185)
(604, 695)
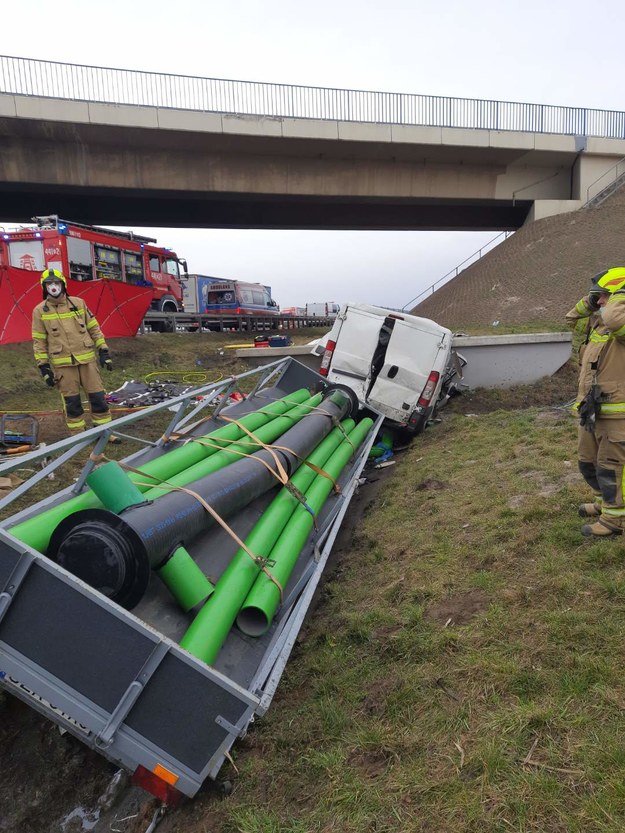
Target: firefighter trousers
(70, 380)
(601, 459)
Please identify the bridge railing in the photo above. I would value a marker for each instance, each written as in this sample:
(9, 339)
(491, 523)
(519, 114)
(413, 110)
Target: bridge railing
(453, 273)
(26, 76)
(606, 182)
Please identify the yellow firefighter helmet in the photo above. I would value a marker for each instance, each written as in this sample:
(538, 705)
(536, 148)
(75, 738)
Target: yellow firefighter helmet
(54, 275)
(611, 281)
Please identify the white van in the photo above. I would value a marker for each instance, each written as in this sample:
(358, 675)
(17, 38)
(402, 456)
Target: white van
(399, 364)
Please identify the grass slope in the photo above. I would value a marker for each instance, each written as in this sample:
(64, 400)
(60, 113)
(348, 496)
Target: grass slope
(464, 669)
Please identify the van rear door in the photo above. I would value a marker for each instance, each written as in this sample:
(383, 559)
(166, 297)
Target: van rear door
(356, 333)
(416, 347)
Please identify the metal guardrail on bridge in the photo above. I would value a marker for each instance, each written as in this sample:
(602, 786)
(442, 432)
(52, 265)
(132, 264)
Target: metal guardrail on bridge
(199, 322)
(52, 79)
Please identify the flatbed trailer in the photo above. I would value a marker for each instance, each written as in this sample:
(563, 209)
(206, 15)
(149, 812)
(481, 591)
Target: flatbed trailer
(118, 680)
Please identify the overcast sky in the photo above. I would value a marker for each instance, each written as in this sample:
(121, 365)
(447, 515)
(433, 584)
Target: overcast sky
(536, 51)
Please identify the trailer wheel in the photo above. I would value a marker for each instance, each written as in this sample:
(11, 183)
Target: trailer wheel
(225, 787)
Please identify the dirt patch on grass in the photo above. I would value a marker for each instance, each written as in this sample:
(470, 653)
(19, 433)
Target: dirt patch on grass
(369, 763)
(44, 775)
(377, 696)
(458, 609)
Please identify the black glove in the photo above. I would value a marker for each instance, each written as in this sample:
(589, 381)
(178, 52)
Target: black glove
(105, 359)
(593, 298)
(48, 376)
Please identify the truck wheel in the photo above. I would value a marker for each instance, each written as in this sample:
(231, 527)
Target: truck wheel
(167, 304)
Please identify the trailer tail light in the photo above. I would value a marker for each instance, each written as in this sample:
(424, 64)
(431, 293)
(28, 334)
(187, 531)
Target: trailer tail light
(327, 358)
(428, 390)
(159, 783)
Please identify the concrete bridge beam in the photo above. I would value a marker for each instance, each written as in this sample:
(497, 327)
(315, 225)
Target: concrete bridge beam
(119, 164)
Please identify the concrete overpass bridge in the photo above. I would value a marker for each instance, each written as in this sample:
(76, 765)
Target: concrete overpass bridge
(135, 148)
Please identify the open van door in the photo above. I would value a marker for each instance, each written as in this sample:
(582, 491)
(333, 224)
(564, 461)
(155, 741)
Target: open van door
(352, 342)
(393, 361)
(412, 366)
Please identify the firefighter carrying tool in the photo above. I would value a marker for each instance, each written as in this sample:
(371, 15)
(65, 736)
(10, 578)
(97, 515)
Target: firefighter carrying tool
(601, 403)
(65, 339)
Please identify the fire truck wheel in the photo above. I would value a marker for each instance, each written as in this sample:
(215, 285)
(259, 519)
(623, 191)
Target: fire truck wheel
(168, 304)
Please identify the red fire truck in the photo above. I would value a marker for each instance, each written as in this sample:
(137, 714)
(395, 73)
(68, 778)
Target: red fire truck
(120, 274)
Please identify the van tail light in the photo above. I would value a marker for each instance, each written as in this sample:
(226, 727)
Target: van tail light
(327, 358)
(428, 390)
(159, 783)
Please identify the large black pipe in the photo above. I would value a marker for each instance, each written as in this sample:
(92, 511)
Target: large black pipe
(114, 553)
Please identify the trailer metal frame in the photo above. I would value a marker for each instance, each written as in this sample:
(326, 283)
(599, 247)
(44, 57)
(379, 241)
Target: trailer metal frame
(118, 680)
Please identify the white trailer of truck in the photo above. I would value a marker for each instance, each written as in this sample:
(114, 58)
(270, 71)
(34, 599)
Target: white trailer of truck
(322, 309)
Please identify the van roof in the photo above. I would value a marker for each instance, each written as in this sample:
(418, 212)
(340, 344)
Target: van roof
(422, 323)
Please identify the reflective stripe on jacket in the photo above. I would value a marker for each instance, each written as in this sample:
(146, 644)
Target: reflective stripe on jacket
(65, 332)
(605, 347)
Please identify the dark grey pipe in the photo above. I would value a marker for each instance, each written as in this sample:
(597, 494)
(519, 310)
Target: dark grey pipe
(114, 553)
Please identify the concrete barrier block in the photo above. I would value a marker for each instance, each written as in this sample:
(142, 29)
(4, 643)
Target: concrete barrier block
(609, 147)
(364, 132)
(8, 106)
(413, 135)
(199, 122)
(51, 109)
(550, 141)
(511, 139)
(310, 129)
(252, 125)
(124, 115)
(463, 137)
(503, 361)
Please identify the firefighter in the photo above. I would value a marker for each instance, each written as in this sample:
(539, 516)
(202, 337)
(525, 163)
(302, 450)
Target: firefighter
(601, 403)
(65, 339)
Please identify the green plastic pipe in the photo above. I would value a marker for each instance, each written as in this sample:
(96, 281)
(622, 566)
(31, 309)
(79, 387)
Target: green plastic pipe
(36, 531)
(184, 579)
(113, 488)
(211, 626)
(260, 606)
(266, 434)
(180, 573)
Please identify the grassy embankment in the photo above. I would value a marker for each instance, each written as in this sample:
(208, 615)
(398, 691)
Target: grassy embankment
(464, 671)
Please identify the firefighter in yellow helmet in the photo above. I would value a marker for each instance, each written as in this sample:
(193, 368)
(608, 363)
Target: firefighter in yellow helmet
(66, 337)
(601, 403)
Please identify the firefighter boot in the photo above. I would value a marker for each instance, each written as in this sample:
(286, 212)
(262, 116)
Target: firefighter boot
(605, 527)
(590, 510)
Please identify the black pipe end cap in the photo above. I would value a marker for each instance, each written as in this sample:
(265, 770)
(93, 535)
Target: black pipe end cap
(103, 551)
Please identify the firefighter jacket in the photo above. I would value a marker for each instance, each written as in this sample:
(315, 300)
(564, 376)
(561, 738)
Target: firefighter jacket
(65, 332)
(603, 358)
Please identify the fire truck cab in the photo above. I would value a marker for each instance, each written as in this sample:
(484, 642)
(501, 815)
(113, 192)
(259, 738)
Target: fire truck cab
(90, 253)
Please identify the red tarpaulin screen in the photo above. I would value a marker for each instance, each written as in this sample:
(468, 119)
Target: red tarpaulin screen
(119, 307)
